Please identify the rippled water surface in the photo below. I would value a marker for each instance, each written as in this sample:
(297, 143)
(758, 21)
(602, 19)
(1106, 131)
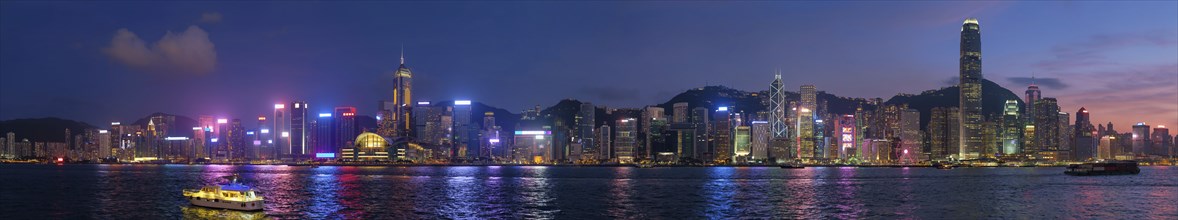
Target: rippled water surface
(154, 192)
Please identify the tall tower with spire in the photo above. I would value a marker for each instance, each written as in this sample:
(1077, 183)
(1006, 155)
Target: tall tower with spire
(777, 107)
(402, 99)
(970, 99)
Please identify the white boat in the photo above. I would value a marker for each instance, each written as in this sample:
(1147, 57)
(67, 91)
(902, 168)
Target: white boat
(232, 195)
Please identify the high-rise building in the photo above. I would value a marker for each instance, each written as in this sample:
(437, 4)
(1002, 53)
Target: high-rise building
(1065, 136)
(236, 146)
(402, 99)
(345, 126)
(777, 108)
(805, 134)
(759, 143)
(1047, 125)
(465, 136)
(1012, 128)
(1162, 142)
(911, 149)
(586, 122)
(722, 136)
(1141, 140)
(625, 138)
(942, 131)
(646, 148)
(699, 121)
(741, 143)
(845, 132)
(604, 149)
(970, 101)
(298, 128)
(281, 127)
(1030, 142)
(265, 149)
(679, 113)
(326, 143)
(1084, 142)
(1105, 147)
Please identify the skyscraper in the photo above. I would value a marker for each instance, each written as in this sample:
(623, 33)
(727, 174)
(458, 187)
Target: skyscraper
(741, 141)
(402, 99)
(759, 143)
(586, 122)
(464, 133)
(1084, 144)
(298, 129)
(1162, 142)
(722, 136)
(625, 137)
(604, 149)
(345, 126)
(777, 108)
(911, 149)
(281, 126)
(1141, 139)
(1047, 125)
(1012, 128)
(970, 101)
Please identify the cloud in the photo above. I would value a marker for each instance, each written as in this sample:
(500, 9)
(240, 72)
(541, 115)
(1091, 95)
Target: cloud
(951, 81)
(1091, 52)
(1050, 83)
(210, 17)
(610, 94)
(189, 51)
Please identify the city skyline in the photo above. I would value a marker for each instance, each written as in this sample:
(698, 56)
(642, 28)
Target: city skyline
(220, 86)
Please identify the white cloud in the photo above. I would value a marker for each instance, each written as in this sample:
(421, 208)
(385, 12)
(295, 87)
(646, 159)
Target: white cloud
(189, 51)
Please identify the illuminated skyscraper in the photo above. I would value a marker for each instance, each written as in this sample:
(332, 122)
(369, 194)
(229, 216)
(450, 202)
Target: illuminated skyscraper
(265, 150)
(298, 129)
(1030, 143)
(722, 135)
(649, 132)
(759, 141)
(805, 136)
(402, 99)
(281, 126)
(1084, 144)
(679, 113)
(1141, 140)
(699, 120)
(626, 137)
(777, 108)
(465, 136)
(326, 143)
(1012, 128)
(971, 90)
(605, 149)
(741, 140)
(942, 131)
(236, 146)
(1047, 125)
(911, 149)
(345, 126)
(586, 122)
(1162, 142)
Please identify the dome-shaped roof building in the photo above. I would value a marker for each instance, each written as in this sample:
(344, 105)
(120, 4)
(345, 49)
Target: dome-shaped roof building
(368, 147)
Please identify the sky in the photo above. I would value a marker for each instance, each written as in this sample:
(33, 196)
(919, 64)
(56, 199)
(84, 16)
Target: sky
(118, 61)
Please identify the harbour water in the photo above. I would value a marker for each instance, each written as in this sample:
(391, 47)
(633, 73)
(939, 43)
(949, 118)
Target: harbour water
(530, 192)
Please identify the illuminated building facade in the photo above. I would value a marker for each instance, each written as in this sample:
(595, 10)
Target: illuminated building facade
(605, 150)
(970, 100)
(845, 131)
(345, 125)
(586, 122)
(465, 136)
(625, 139)
(911, 147)
(1084, 144)
(1047, 125)
(943, 134)
(298, 129)
(1012, 128)
(326, 143)
(281, 126)
(533, 146)
(1141, 140)
(805, 136)
(759, 141)
(777, 108)
(722, 135)
(1162, 142)
(741, 137)
(368, 147)
(402, 100)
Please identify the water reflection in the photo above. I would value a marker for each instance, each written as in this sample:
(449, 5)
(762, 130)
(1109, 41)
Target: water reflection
(196, 212)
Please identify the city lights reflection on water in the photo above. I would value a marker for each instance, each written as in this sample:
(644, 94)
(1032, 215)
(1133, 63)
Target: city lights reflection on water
(526, 192)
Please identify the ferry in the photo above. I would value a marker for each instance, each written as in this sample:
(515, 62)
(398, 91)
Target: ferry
(943, 166)
(1114, 167)
(232, 195)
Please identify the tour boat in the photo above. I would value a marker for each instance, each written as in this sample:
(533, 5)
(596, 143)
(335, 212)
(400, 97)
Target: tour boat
(943, 166)
(232, 195)
(1121, 167)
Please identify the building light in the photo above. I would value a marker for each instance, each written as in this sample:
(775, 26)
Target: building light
(346, 114)
(279, 106)
(285, 134)
(767, 122)
(257, 142)
(1161, 126)
(196, 128)
(722, 109)
(176, 138)
(222, 121)
(818, 121)
(296, 105)
(261, 118)
(462, 102)
(265, 131)
(494, 140)
(102, 131)
(423, 103)
(214, 140)
(324, 115)
(270, 141)
(115, 123)
(530, 132)
(249, 133)
(325, 155)
(539, 137)
(1140, 123)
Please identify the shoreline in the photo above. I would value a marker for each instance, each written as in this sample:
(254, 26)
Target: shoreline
(541, 165)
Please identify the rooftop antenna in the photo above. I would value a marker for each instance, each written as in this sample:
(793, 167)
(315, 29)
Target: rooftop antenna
(402, 54)
(1032, 78)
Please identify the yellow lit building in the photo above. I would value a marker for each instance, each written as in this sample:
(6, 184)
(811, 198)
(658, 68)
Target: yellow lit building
(369, 147)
